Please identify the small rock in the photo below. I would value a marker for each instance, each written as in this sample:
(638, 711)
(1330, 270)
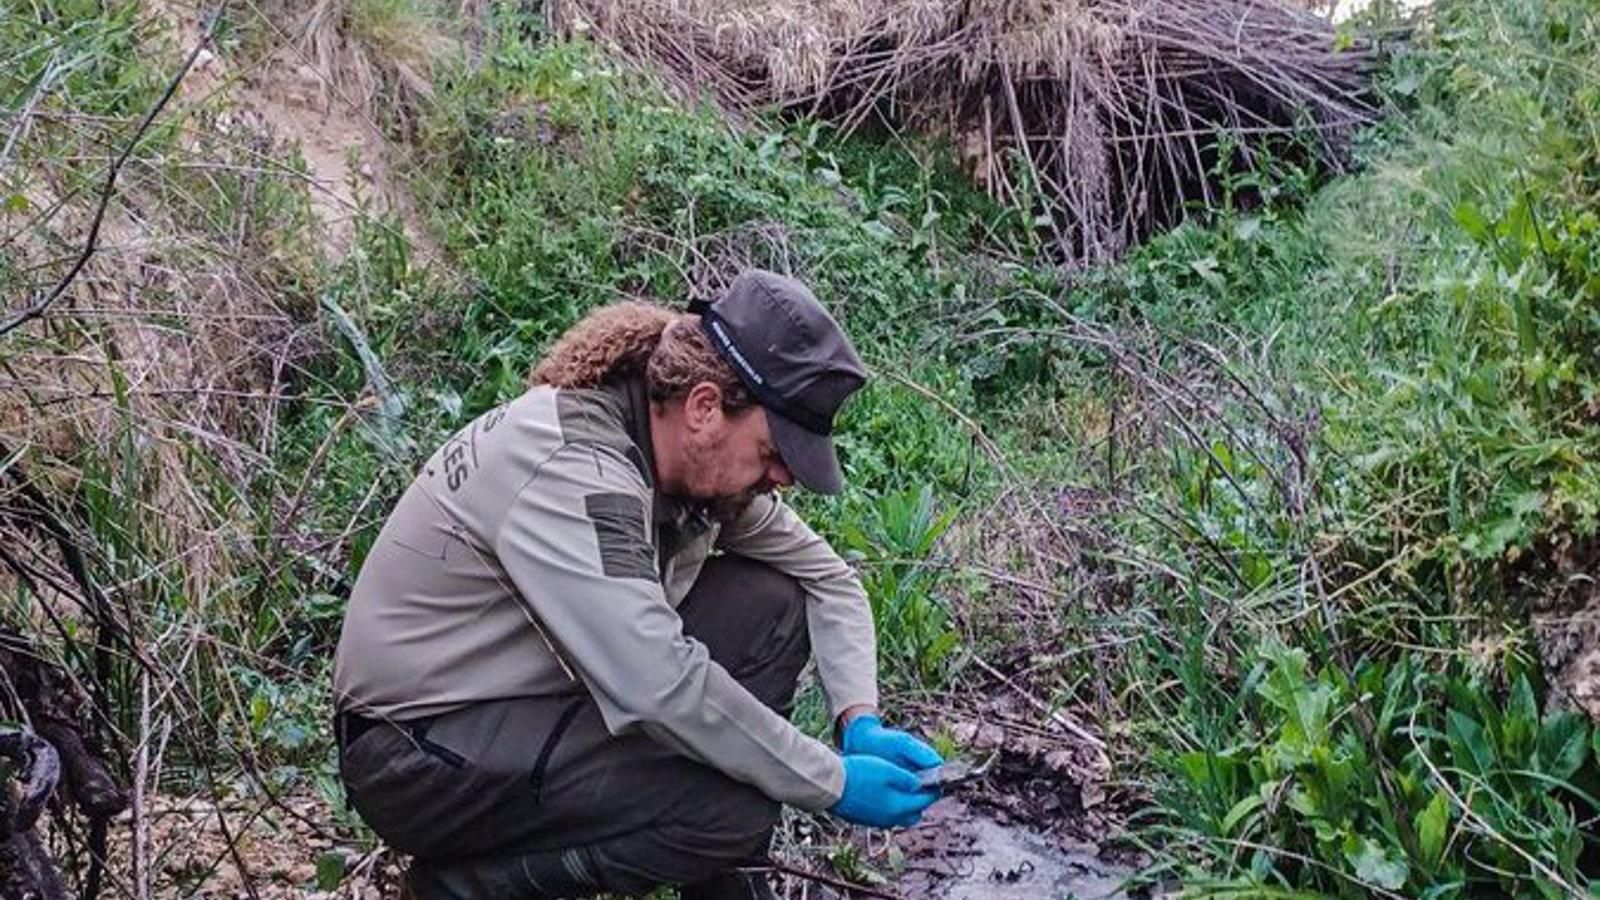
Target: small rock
(978, 735)
(366, 171)
(1061, 762)
(1092, 795)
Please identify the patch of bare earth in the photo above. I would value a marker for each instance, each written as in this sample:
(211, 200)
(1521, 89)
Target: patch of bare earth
(244, 850)
(305, 104)
(1041, 823)
(962, 852)
(347, 158)
(1566, 623)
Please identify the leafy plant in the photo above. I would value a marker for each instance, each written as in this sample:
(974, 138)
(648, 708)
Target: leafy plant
(1375, 777)
(895, 545)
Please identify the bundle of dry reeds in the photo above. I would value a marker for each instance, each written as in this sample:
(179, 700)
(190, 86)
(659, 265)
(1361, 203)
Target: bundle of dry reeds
(1107, 113)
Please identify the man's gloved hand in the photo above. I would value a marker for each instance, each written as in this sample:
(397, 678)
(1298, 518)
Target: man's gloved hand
(880, 794)
(866, 735)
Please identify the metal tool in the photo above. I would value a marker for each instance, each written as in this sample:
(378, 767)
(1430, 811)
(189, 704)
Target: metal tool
(954, 774)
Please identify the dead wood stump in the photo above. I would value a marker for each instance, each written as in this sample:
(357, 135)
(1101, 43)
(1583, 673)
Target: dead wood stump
(55, 752)
(32, 770)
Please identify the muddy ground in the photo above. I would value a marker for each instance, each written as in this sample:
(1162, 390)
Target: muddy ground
(1040, 825)
(967, 848)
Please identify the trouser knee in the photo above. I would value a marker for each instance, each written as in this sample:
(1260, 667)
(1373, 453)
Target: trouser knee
(751, 618)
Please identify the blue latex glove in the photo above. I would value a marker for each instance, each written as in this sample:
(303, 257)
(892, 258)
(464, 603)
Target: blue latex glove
(880, 794)
(866, 735)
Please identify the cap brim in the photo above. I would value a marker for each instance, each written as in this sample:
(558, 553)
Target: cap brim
(809, 456)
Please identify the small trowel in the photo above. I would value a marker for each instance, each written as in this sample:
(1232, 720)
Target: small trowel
(954, 774)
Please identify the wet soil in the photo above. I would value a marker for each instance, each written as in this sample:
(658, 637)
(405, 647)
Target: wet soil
(963, 853)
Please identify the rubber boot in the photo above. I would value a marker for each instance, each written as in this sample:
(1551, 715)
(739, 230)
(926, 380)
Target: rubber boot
(550, 875)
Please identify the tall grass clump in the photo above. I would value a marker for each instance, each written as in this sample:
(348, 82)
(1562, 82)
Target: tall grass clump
(162, 485)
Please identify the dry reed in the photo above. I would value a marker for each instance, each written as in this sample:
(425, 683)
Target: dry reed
(1107, 114)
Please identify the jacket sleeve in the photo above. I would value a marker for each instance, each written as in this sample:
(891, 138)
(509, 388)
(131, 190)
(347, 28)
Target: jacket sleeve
(574, 542)
(838, 616)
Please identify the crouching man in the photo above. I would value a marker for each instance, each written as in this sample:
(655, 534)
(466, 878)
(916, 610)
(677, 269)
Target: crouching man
(568, 661)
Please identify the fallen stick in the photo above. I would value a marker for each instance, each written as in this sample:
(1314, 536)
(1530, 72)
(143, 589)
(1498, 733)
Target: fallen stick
(830, 881)
(1056, 715)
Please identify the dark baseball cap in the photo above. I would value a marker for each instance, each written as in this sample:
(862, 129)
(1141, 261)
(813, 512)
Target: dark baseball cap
(795, 359)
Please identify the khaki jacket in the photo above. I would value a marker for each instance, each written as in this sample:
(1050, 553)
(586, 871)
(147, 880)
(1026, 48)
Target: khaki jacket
(533, 557)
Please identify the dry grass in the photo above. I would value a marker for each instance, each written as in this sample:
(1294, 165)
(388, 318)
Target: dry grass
(175, 341)
(1104, 112)
(146, 520)
(192, 329)
(380, 53)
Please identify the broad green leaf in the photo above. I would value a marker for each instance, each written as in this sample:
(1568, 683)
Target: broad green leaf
(260, 709)
(330, 871)
(1469, 747)
(1241, 811)
(1563, 745)
(1206, 268)
(1432, 823)
(1520, 724)
(1374, 866)
(1407, 84)
(878, 230)
(1472, 221)
(1518, 226)
(1213, 772)
(1261, 864)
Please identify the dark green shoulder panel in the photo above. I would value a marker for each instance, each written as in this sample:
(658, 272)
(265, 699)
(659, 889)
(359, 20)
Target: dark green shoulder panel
(598, 417)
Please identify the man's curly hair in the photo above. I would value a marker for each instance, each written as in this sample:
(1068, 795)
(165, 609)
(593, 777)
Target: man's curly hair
(625, 340)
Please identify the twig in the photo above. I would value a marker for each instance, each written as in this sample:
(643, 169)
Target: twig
(989, 446)
(141, 772)
(830, 881)
(1056, 715)
(92, 242)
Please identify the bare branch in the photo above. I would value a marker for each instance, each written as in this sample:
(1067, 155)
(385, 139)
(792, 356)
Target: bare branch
(109, 189)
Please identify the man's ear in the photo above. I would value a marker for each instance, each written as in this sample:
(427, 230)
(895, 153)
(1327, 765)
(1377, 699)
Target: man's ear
(703, 406)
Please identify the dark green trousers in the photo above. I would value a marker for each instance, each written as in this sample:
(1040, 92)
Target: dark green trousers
(533, 798)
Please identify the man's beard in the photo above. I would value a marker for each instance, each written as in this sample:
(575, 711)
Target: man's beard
(720, 508)
(725, 509)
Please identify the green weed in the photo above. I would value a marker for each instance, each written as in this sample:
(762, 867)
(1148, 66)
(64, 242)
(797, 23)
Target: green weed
(895, 543)
(1376, 774)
